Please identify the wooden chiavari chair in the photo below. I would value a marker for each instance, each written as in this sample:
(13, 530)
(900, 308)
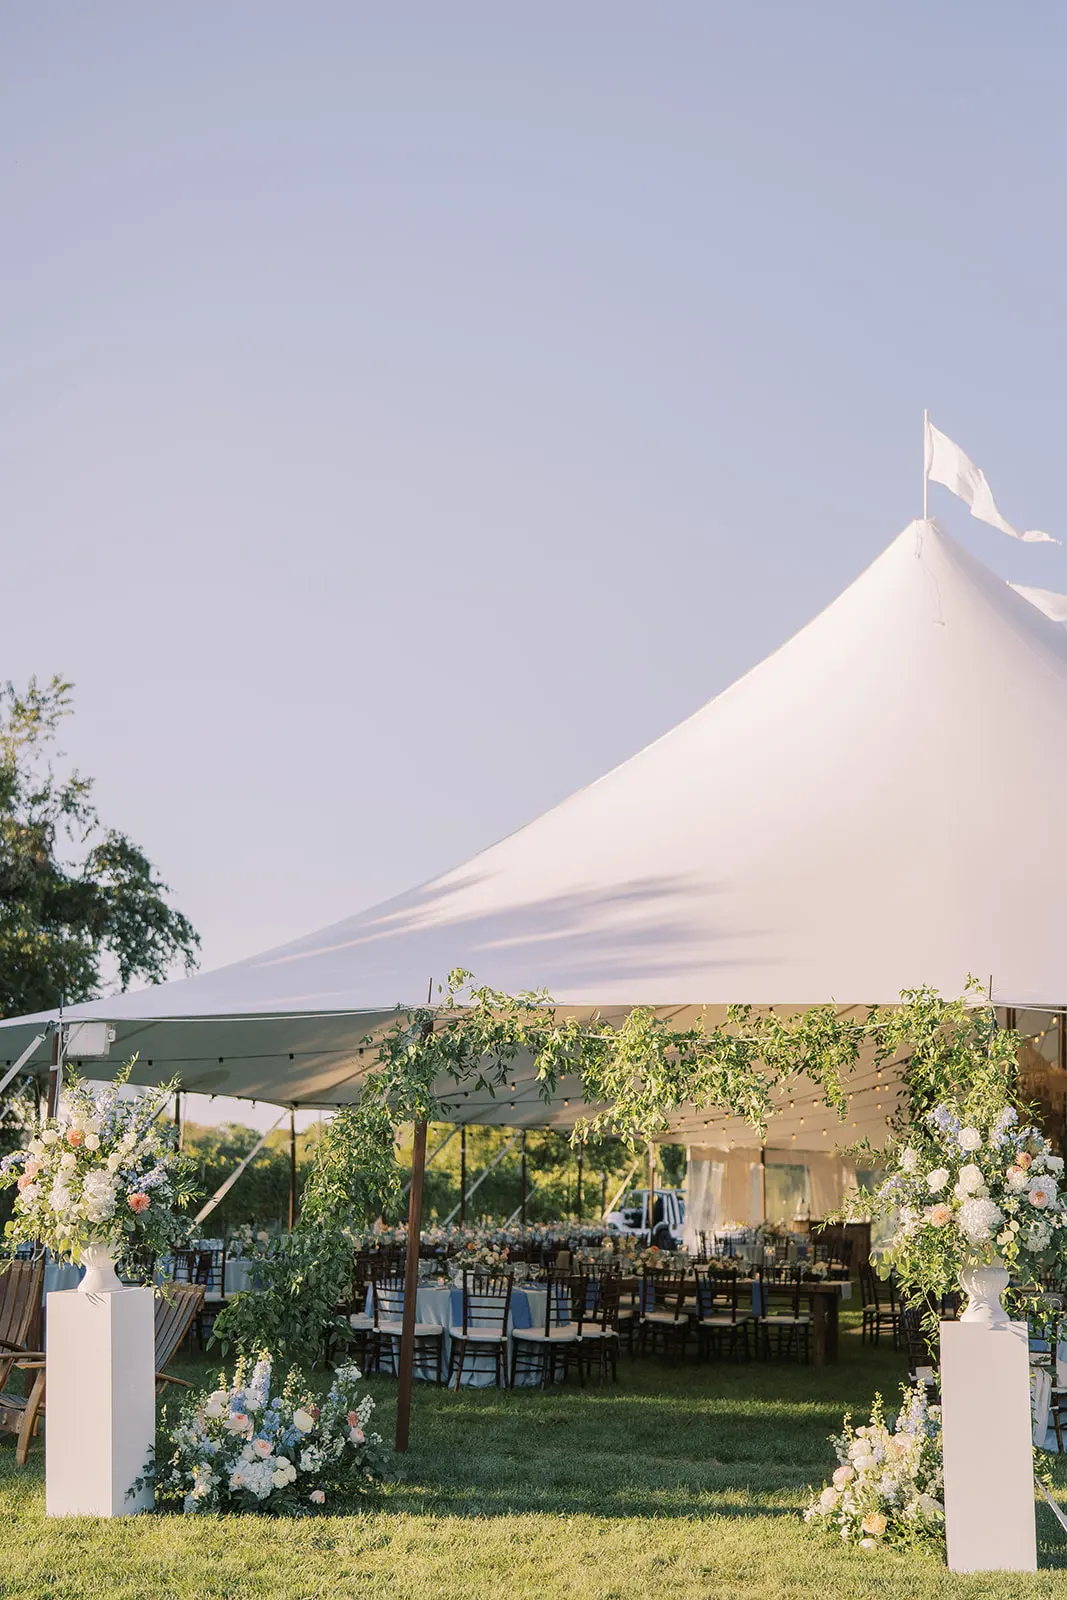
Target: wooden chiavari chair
(664, 1321)
(543, 1349)
(388, 1299)
(722, 1320)
(483, 1329)
(783, 1317)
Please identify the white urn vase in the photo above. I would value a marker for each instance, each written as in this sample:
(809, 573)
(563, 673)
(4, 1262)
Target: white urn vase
(983, 1285)
(100, 1276)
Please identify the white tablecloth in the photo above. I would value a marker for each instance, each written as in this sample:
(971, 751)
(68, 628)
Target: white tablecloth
(61, 1275)
(1041, 1394)
(239, 1276)
(434, 1304)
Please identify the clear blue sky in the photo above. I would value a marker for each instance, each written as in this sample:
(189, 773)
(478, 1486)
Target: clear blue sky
(406, 413)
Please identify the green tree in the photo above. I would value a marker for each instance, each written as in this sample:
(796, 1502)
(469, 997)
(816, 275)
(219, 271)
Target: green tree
(75, 896)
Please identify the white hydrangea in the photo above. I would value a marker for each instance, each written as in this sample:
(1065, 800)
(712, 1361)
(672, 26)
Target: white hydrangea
(978, 1218)
(98, 1196)
(909, 1160)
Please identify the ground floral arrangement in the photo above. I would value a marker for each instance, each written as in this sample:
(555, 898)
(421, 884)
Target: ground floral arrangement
(888, 1487)
(249, 1447)
(103, 1172)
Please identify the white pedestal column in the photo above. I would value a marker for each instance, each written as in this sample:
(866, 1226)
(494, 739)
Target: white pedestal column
(989, 1471)
(100, 1401)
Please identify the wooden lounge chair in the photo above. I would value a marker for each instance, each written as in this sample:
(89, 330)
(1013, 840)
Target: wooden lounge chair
(175, 1315)
(20, 1307)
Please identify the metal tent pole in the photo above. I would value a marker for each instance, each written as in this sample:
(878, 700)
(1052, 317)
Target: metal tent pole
(55, 1072)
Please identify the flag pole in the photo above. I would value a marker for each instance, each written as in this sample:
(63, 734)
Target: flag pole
(926, 481)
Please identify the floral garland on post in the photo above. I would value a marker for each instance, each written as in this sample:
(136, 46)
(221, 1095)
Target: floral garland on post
(642, 1071)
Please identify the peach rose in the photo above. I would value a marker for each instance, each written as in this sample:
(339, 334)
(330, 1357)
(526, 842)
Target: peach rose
(75, 1136)
(138, 1202)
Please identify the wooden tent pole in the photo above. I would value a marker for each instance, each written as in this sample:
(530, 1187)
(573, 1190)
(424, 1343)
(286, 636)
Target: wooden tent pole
(411, 1286)
(463, 1175)
(651, 1188)
(522, 1207)
(581, 1152)
(292, 1167)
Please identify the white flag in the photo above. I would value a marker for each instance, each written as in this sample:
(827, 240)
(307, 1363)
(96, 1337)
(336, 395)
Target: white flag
(947, 464)
(1046, 600)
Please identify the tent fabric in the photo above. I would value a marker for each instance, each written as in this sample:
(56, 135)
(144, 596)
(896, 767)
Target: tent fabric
(724, 1187)
(871, 808)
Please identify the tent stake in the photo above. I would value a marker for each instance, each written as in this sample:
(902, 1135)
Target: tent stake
(411, 1286)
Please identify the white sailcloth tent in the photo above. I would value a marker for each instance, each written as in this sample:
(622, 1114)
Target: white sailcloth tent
(877, 805)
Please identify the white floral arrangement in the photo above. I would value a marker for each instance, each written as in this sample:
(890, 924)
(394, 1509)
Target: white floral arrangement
(242, 1448)
(103, 1172)
(481, 1258)
(247, 1243)
(970, 1188)
(888, 1487)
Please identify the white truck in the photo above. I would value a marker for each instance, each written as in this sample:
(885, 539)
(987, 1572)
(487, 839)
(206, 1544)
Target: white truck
(632, 1214)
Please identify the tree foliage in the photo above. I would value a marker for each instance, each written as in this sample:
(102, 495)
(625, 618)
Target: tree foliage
(74, 895)
(306, 1274)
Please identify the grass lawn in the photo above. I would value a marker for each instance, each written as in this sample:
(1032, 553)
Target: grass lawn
(679, 1482)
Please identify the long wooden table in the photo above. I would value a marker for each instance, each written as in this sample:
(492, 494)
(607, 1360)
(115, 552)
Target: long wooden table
(824, 1299)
